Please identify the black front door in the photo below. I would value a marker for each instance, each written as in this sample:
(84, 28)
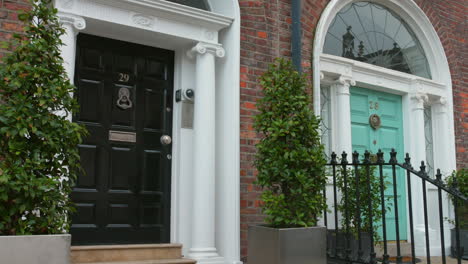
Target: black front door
(125, 97)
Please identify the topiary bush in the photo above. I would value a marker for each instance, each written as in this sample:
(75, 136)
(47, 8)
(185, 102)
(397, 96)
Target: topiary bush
(290, 158)
(38, 143)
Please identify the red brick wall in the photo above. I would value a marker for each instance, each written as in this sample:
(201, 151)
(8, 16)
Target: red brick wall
(265, 35)
(9, 23)
(449, 18)
(266, 27)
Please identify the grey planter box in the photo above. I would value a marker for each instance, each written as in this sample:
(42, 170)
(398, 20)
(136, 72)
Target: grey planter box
(287, 245)
(463, 243)
(40, 249)
(338, 241)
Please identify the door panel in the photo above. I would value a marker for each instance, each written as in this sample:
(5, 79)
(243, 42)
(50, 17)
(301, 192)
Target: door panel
(123, 194)
(389, 136)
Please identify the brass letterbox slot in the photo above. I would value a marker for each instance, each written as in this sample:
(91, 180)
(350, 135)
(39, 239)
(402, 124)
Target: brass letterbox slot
(122, 136)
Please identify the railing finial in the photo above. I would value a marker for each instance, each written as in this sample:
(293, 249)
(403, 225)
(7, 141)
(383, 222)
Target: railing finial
(439, 176)
(333, 158)
(344, 158)
(393, 159)
(355, 157)
(380, 158)
(367, 157)
(423, 169)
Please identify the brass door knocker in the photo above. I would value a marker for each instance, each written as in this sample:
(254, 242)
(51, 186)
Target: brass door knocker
(124, 101)
(374, 121)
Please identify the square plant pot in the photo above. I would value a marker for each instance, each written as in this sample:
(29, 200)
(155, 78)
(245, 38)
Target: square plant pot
(463, 243)
(37, 249)
(337, 243)
(287, 245)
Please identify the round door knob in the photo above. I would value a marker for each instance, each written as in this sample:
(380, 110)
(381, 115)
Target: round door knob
(166, 140)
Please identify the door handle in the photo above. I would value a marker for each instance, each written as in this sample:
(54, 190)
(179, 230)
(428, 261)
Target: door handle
(166, 140)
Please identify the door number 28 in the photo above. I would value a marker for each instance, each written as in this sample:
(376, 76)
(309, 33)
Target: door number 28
(124, 77)
(373, 105)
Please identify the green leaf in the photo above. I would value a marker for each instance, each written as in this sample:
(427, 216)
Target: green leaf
(34, 138)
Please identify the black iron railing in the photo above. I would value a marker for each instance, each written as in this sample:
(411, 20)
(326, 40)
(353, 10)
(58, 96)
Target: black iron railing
(365, 193)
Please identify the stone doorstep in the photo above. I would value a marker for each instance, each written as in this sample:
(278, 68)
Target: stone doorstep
(405, 248)
(126, 254)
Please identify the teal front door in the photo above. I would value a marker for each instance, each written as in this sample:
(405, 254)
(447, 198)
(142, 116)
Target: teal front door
(388, 107)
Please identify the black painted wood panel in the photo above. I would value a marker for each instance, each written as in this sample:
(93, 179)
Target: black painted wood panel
(123, 195)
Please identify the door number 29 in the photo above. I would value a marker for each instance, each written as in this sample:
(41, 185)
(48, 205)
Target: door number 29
(124, 77)
(373, 105)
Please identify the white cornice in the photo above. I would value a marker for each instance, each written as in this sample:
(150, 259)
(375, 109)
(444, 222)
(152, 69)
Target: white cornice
(165, 9)
(335, 66)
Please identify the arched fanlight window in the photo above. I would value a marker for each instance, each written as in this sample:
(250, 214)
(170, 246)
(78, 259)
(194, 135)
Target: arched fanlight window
(201, 4)
(372, 33)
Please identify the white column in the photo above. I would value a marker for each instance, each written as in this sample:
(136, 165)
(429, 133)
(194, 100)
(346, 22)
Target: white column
(442, 157)
(342, 122)
(418, 153)
(72, 24)
(203, 248)
(441, 134)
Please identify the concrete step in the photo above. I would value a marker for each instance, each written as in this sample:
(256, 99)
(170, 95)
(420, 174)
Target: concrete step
(405, 248)
(127, 253)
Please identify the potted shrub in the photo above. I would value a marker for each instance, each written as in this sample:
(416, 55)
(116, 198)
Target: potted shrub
(459, 180)
(38, 143)
(291, 171)
(349, 206)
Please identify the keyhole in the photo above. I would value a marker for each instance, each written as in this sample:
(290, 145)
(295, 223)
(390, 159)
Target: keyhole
(374, 142)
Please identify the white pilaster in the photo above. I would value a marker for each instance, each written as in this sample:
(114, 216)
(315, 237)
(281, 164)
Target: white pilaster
(418, 154)
(203, 220)
(442, 155)
(72, 24)
(440, 119)
(343, 115)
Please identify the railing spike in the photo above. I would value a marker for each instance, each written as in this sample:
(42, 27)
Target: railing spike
(423, 169)
(344, 158)
(333, 158)
(380, 156)
(408, 160)
(367, 157)
(355, 157)
(393, 155)
(439, 176)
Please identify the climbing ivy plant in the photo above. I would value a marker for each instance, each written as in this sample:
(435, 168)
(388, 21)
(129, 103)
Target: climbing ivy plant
(290, 158)
(38, 142)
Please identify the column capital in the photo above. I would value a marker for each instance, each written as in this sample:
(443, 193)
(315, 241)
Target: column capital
(203, 48)
(78, 23)
(442, 101)
(342, 84)
(346, 80)
(419, 100)
(441, 105)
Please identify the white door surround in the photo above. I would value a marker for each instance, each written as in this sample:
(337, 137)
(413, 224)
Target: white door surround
(205, 168)
(340, 73)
